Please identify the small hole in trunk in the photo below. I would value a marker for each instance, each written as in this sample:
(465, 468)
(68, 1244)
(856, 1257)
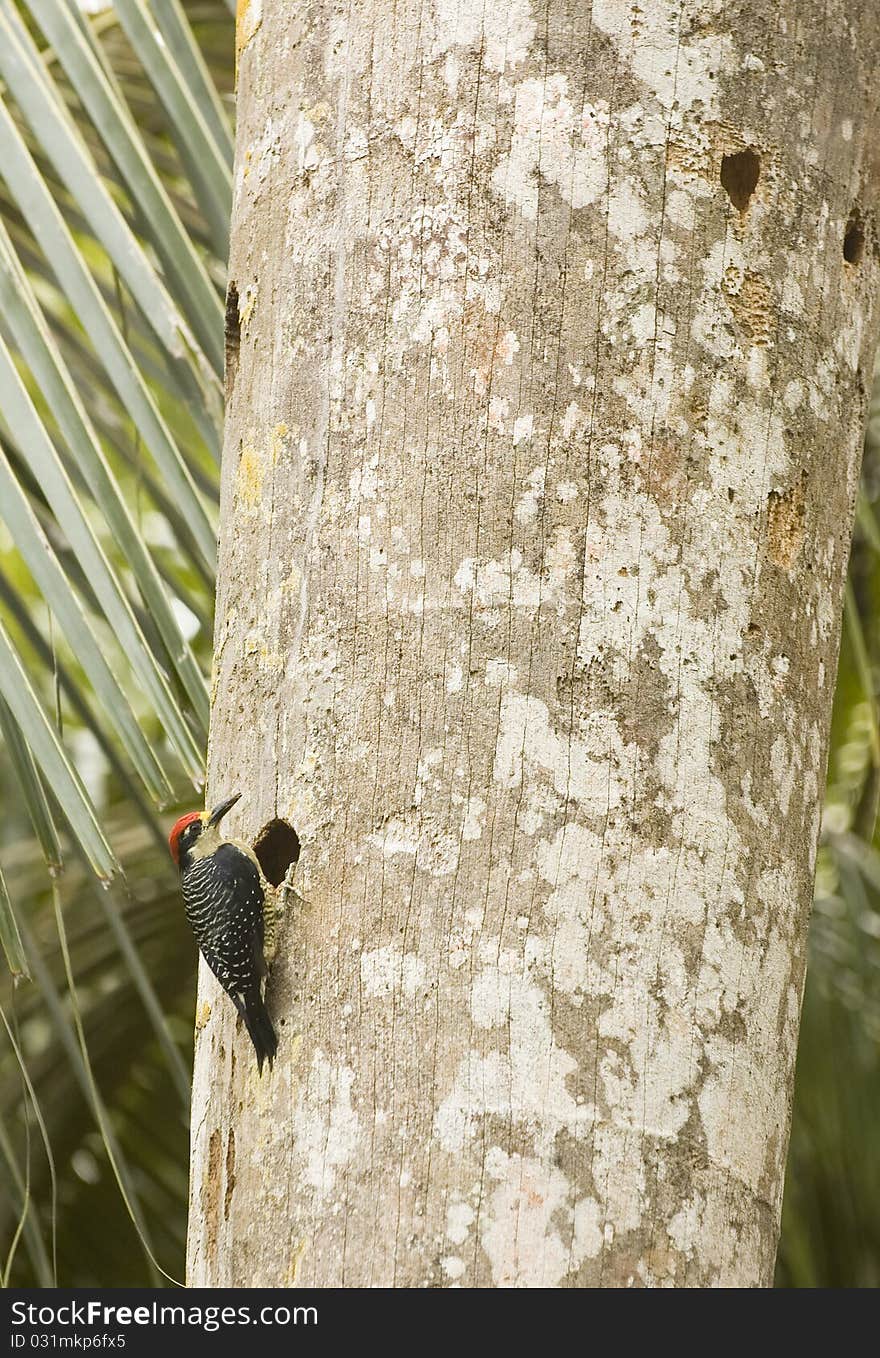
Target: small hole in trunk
(277, 849)
(854, 238)
(739, 177)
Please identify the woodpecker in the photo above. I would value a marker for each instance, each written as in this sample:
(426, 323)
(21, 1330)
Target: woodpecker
(225, 900)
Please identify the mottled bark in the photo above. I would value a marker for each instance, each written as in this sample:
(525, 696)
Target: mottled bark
(542, 447)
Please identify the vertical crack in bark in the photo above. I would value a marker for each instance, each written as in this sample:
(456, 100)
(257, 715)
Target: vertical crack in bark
(233, 336)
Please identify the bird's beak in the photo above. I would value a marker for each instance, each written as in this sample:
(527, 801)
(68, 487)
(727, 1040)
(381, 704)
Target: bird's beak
(221, 809)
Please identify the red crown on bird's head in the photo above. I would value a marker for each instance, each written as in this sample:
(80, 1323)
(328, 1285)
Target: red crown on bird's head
(214, 819)
(177, 830)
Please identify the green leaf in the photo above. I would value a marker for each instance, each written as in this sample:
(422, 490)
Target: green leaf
(208, 166)
(77, 1051)
(146, 991)
(32, 790)
(36, 204)
(36, 1247)
(867, 521)
(183, 266)
(52, 758)
(853, 625)
(35, 95)
(194, 73)
(47, 1146)
(20, 413)
(75, 696)
(20, 312)
(10, 937)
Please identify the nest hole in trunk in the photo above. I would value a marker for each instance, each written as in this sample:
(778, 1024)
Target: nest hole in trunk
(277, 849)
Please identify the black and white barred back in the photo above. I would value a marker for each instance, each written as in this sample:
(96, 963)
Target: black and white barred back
(223, 898)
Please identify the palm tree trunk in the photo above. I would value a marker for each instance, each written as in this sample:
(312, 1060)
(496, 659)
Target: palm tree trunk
(550, 339)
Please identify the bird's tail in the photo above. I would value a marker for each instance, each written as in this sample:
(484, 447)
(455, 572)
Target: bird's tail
(259, 1026)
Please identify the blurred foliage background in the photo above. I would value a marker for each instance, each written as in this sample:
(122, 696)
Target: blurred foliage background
(115, 191)
(115, 195)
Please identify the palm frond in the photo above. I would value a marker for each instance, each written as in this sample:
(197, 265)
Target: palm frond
(108, 300)
(115, 189)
